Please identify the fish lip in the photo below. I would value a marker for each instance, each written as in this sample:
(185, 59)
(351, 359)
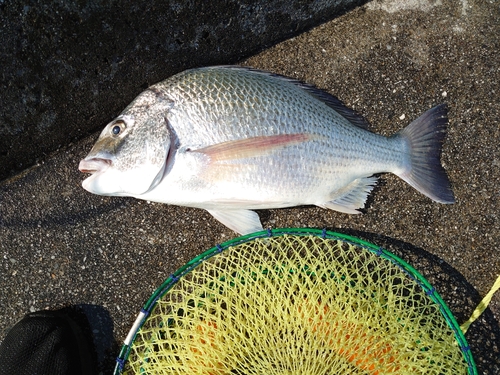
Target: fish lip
(94, 165)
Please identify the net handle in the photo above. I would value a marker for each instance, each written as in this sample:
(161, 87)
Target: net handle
(483, 305)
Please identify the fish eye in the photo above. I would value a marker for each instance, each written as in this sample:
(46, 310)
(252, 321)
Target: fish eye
(117, 129)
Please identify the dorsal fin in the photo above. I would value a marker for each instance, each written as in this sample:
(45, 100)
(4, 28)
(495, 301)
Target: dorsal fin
(330, 100)
(335, 103)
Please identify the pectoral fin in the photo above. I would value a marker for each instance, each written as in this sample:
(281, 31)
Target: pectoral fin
(251, 147)
(352, 197)
(240, 221)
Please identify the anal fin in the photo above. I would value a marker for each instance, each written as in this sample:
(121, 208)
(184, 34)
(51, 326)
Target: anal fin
(352, 197)
(239, 220)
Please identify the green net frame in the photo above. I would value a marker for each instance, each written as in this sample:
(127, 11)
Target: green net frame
(413, 274)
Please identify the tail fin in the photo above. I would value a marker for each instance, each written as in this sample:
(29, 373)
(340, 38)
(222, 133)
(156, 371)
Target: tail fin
(424, 137)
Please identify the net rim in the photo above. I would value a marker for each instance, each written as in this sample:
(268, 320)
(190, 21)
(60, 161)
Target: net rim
(322, 233)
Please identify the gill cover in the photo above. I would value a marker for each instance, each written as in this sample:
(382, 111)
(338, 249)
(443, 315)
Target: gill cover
(129, 157)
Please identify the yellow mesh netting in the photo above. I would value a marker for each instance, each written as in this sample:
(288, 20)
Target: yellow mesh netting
(296, 305)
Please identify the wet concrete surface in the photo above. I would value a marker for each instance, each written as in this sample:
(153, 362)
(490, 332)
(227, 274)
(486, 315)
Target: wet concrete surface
(390, 62)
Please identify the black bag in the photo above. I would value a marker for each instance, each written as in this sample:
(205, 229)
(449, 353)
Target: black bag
(49, 343)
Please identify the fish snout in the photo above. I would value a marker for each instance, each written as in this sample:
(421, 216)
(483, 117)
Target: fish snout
(94, 165)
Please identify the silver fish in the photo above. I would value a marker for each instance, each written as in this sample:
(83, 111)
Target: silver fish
(233, 139)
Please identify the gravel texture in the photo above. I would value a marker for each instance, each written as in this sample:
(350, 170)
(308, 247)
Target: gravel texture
(63, 246)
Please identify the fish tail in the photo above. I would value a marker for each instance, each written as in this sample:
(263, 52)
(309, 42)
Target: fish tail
(424, 138)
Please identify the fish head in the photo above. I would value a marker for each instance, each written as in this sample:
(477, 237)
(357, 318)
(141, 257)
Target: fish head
(130, 156)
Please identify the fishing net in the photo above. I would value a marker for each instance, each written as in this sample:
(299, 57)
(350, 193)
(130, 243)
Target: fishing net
(296, 302)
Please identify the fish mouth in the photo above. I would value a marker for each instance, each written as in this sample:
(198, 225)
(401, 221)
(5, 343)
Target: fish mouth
(94, 165)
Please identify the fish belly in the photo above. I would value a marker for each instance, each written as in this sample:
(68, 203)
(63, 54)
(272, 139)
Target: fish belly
(314, 172)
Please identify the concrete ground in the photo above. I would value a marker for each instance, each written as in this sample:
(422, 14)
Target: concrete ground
(390, 61)
(67, 66)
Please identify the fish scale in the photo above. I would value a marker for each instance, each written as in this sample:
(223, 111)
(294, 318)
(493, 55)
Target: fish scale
(232, 139)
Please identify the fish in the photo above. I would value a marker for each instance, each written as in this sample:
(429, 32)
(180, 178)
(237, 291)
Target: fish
(231, 140)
